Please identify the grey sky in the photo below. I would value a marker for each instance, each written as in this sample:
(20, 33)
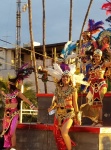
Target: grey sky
(57, 20)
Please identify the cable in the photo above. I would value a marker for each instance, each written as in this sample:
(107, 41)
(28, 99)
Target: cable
(24, 48)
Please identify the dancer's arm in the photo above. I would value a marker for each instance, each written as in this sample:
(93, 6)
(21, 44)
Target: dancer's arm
(77, 119)
(107, 64)
(3, 93)
(53, 105)
(75, 104)
(85, 89)
(26, 100)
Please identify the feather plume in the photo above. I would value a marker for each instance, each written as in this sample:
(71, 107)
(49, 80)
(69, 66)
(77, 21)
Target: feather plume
(105, 33)
(24, 72)
(68, 48)
(57, 74)
(64, 67)
(72, 68)
(57, 68)
(54, 73)
(94, 27)
(107, 7)
(79, 79)
(72, 56)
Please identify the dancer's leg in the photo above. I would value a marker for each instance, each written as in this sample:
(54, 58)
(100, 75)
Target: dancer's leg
(13, 131)
(13, 139)
(64, 131)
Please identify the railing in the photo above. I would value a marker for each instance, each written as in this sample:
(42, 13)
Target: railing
(26, 112)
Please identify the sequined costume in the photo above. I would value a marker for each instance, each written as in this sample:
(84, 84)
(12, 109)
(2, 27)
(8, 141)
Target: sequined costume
(63, 113)
(11, 116)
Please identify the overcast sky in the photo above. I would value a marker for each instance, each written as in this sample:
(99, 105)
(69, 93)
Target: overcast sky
(57, 20)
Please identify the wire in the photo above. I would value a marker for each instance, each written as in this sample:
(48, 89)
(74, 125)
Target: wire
(24, 48)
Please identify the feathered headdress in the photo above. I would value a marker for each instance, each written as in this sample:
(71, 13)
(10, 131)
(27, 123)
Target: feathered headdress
(94, 27)
(107, 7)
(56, 72)
(103, 34)
(22, 73)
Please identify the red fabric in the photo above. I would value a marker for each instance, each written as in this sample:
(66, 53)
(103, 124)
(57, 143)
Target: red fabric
(59, 140)
(96, 90)
(106, 46)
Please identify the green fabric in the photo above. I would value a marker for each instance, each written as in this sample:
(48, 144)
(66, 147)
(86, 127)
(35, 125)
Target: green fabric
(109, 85)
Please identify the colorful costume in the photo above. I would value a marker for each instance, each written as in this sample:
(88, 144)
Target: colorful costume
(98, 88)
(104, 43)
(11, 114)
(63, 113)
(11, 117)
(64, 104)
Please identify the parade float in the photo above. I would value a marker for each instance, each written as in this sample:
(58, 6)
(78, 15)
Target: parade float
(86, 136)
(39, 135)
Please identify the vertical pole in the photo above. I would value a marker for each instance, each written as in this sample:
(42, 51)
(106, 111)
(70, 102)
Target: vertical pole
(18, 36)
(52, 57)
(54, 54)
(70, 20)
(44, 36)
(32, 44)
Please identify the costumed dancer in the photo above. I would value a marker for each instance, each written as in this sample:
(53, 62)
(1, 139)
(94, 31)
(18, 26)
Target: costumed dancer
(104, 43)
(88, 42)
(98, 87)
(87, 47)
(11, 113)
(104, 37)
(65, 105)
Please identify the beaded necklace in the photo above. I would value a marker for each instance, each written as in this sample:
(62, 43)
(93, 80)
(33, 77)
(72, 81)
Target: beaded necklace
(12, 95)
(62, 95)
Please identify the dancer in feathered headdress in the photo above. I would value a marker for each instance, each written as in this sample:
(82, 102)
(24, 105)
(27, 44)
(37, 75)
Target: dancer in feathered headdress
(22, 73)
(65, 98)
(98, 87)
(11, 114)
(104, 43)
(89, 43)
(64, 103)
